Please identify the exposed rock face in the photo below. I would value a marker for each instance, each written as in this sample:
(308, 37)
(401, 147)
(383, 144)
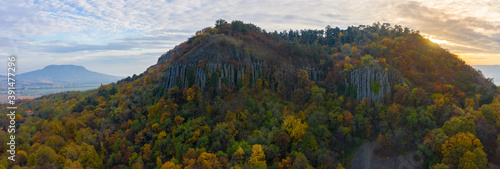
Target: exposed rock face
(373, 82)
(184, 76)
(224, 62)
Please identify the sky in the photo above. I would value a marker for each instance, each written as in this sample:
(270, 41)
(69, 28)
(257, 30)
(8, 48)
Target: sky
(125, 37)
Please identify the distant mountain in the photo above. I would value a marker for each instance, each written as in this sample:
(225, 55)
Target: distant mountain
(491, 71)
(65, 74)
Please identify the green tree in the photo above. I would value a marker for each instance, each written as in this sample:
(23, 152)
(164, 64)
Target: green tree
(89, 157)
(459, 124)
(367, 59)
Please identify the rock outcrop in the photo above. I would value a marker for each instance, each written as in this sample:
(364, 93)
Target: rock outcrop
(184, 76)
(373, 82)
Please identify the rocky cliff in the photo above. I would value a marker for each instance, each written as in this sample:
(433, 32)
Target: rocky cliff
(373, 82)
(218, 74)
(225, 61)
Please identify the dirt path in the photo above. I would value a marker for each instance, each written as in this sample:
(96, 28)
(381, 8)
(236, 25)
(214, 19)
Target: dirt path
(364, 158)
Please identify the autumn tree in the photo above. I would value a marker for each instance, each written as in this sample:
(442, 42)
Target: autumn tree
(208, 161)
(295, 127)
(258, 158)
(171, 165)
(340, 166)
(457, 147)
(285, 163)
(304, 81)
(238, 156)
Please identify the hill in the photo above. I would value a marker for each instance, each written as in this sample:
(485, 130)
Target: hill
(58, 78)
(65, 74)
(235, 95)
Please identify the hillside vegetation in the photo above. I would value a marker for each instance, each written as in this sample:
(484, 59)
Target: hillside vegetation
(237, 96)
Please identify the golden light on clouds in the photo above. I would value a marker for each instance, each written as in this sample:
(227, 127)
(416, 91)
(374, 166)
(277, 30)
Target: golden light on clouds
(480, 58)
(439, 41)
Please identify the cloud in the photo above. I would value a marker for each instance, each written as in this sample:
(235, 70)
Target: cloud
(136, 32)
(477, 33)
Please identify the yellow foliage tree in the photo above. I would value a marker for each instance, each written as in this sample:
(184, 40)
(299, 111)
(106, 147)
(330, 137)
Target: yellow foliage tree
(381, 60)
(259, 84)
(285, 163)
(158, 162)
(258, 157)
(295, 128)
(467, 161)
(239, 155)
(457, 146)
(208, 161)
(340, 166)
(178, 120)
(191, 94)
(171, 165)
(155, 127)
(157, 109)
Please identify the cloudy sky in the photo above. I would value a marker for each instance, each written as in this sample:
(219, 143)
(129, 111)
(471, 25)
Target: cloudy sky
(124, 37)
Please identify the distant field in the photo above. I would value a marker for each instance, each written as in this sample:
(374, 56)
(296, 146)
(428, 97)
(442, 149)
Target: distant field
(3, 97)
(34, 93)
(41, 92)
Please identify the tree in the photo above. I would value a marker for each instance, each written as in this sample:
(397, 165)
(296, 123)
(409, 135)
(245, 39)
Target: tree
(304, 81)
(367, 59)
(44, 155)
(238, 156)
(459, 124)
(440, 166)
(191, 93)
(300, 162)
(146, 152)
(381, 60)
(294, 127)
(208, 161)
(158, 162)
(89, 157)
(489, 114)
(282, 140)
(171, 165)
(220, 22)
(467, 161)
(157, 109)
(258, 158)
(178, 120)
(285, 163)
(457, 146)
(340, 166)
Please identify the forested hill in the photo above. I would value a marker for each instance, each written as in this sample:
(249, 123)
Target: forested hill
(235, 95)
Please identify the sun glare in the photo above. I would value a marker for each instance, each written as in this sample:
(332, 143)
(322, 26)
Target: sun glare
(439, 41)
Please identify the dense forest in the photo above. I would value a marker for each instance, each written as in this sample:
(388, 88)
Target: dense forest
(237, 96)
